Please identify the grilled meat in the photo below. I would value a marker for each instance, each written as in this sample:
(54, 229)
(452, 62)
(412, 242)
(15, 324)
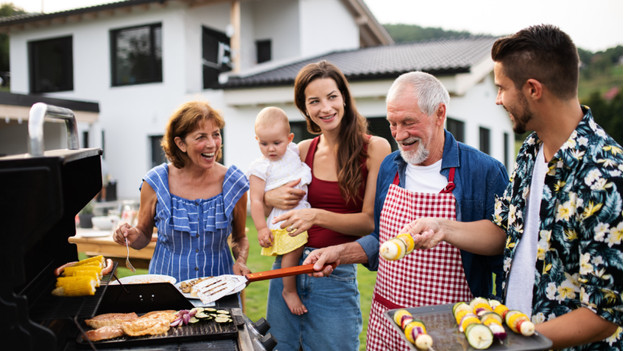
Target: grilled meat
(110, 319)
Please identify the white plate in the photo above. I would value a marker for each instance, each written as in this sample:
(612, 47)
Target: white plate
(145, 279)
(187, 295)
(94, 233)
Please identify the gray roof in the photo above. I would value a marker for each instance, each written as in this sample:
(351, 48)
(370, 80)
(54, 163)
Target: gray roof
(439, 57)
(37, 16)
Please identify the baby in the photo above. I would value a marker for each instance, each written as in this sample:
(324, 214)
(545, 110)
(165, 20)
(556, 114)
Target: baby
(280, 164)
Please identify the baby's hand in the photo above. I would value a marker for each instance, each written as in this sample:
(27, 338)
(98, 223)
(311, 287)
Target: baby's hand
(265, 237)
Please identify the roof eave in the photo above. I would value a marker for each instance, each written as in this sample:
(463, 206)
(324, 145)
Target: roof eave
(234, 84)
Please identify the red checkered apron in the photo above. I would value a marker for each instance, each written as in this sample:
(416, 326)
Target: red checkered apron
(424, 277)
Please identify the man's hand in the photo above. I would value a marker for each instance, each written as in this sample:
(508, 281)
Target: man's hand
(427, 232)
(323, 259)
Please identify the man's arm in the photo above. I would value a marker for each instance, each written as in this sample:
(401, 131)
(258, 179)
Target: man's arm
(579, 327)
(339, 254)
(481, 237)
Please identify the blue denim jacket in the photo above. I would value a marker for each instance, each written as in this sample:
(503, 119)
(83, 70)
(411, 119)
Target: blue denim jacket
(477, 184)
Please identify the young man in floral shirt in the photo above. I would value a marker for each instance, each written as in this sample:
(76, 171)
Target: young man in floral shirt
(559, 222)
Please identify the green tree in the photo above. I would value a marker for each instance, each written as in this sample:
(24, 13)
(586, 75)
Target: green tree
(405, 33)
(608, 114)
(7, 10)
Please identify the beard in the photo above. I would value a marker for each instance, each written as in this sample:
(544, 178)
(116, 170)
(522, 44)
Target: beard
(417, 156)
(522, 116)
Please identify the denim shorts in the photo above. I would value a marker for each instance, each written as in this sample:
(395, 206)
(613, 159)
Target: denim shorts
(334, 318)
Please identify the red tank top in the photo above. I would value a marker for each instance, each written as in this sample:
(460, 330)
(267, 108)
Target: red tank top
(326, 195)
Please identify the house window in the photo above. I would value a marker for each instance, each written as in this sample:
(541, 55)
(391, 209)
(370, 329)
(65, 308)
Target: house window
(484, 140)
(216, 56)
(506, 149)
(85, 139)
(158, 154)
(379, 126)
(263, 51)
(51, 65)
(136, 55)
(456, 128)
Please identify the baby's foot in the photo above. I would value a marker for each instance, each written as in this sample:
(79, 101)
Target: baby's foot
(294, 303)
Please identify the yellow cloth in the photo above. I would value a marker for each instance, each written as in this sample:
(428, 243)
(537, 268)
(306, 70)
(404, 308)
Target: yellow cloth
(284, 243)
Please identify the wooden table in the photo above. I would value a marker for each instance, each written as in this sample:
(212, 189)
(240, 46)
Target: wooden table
(94, 242)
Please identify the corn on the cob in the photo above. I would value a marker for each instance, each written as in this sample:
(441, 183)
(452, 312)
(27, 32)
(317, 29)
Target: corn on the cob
(95, 260)
(81, 270)
(75, 286)
(81, 278)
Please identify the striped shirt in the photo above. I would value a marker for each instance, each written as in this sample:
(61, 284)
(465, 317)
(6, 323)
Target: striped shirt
(192, 234)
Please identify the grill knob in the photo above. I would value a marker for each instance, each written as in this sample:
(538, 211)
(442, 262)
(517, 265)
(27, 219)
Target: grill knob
(268, 342)
(261, 325)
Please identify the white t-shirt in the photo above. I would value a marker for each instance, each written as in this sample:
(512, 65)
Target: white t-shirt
(522, 274)
(425, 179)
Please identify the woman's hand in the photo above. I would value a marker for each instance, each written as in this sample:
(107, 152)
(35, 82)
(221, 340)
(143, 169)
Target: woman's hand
(240, 268)
(126, 232)
(297, 221)
(285, 197)
(265, 237)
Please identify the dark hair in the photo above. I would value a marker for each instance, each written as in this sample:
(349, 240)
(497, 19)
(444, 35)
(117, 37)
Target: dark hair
(541, 52)
(185, 120)
(353, 127)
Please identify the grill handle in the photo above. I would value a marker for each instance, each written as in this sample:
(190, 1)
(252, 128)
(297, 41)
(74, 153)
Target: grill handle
(38, 112)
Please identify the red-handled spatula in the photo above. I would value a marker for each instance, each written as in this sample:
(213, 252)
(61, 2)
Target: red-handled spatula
(214, 288)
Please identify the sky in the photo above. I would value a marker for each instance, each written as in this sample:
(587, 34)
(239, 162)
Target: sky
(593, 25)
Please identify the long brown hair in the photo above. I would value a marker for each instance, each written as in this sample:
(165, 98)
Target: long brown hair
(353, 127)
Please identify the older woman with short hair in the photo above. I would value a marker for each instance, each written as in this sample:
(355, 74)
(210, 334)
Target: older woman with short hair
(194, 202)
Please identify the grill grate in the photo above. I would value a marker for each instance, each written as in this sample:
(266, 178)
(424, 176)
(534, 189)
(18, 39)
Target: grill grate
(202, 330)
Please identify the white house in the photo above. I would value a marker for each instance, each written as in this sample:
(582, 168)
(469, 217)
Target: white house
(140, 59)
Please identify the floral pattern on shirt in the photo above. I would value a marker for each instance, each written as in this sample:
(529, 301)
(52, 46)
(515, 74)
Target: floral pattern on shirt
(579, 254)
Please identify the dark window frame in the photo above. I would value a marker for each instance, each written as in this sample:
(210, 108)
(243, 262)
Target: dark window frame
(506, 138)
(264, 50)
(457, 128)
(216, 56)
(58, 67)
(484, 140)
(151, 67)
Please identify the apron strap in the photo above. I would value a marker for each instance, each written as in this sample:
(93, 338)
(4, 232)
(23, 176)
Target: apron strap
(385, 302)
(451, 184)
(447, 189)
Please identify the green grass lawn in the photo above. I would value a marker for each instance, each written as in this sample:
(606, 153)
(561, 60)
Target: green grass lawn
(256, 293)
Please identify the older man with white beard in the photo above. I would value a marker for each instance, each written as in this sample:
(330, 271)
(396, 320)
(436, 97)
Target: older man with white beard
(431, 175)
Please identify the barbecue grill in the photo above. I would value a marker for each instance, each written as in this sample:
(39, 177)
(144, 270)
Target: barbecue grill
(40, 194)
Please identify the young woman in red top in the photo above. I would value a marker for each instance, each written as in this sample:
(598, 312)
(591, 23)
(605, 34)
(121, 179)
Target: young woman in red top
(344, 160)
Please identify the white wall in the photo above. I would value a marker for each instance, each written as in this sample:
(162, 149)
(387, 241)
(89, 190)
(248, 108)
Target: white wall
(281, 27)
(326, 26)
(477, 108)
